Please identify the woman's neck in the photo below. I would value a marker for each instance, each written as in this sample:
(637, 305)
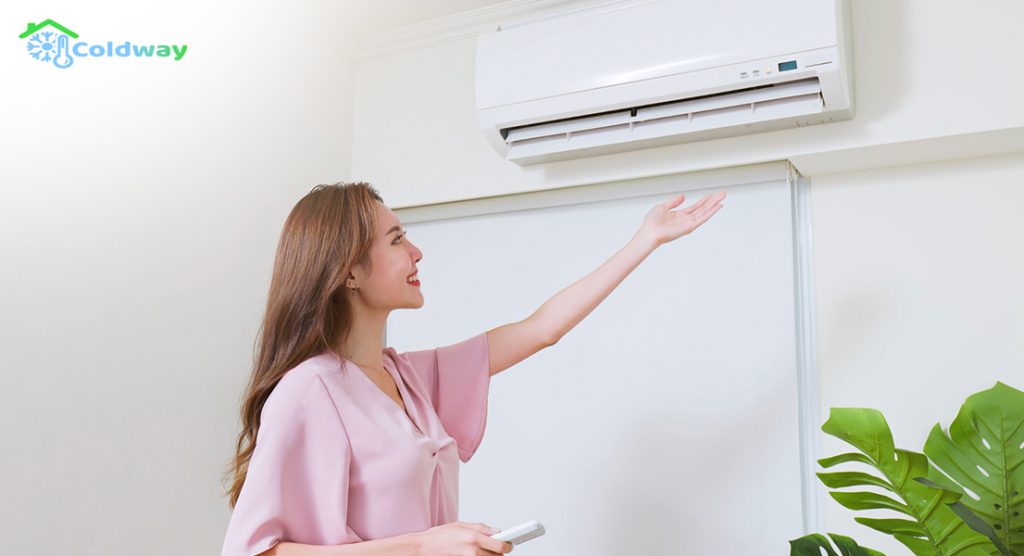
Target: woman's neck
(364, 345)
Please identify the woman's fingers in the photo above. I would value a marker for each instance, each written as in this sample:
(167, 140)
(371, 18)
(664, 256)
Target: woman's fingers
(489, 545)
(478, 527)
(485, 541)
(463, 537)
(494, 546)
(696, 206)
(707, 214)
(709, 204)
(714, 199)
(674, 201)
(711, 198)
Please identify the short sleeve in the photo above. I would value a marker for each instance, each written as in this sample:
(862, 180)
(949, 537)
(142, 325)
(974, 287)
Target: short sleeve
(457, 378)
(296, 487)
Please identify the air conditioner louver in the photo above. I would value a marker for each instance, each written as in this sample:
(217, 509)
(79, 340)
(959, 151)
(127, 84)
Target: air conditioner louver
(715, 113)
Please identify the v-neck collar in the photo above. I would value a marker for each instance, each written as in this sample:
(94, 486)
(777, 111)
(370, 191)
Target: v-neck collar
(403, 392)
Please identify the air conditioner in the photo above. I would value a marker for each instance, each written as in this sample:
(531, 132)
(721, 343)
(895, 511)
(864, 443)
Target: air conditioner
(635, 74)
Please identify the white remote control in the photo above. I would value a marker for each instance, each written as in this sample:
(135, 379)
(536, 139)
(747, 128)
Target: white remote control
(520, 533)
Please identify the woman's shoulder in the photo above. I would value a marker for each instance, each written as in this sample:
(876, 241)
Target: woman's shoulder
(303, 384)
(394, 355)
(408, 362)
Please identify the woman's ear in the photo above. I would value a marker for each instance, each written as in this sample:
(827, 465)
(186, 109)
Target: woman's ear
(356, 272)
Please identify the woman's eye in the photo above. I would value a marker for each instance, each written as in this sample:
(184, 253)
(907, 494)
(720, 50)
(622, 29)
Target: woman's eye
(398, 239)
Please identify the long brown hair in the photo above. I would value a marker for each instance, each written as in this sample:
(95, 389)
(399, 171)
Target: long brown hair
(328, 231)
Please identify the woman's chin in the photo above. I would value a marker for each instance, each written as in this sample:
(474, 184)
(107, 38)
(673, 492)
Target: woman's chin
(414, 304)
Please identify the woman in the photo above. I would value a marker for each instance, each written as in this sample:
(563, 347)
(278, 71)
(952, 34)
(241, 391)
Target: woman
(350, 448)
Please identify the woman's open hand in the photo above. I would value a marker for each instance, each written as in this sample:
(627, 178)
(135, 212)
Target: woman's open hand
(461, 539)
(662, 224)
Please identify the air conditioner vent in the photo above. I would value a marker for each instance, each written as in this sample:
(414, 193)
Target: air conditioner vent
(793, 98)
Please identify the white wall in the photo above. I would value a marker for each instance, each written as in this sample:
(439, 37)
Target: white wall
(918, 272)
(140, 204)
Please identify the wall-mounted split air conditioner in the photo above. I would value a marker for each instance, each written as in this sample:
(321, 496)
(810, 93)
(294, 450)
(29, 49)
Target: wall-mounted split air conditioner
(635, 74)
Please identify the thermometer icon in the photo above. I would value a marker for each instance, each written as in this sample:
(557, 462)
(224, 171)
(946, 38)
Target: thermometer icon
(62, 59)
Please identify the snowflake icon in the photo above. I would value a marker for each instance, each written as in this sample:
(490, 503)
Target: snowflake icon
(49, 45)
(43, 46)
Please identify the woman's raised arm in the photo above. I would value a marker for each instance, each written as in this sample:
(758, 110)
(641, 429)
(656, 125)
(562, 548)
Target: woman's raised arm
(511, 343)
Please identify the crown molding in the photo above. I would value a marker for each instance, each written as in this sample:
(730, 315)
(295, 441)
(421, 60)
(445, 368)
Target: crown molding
(453, 28)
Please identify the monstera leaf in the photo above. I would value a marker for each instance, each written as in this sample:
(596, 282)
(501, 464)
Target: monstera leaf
(811, 545)
(933, 528)
(984, 453)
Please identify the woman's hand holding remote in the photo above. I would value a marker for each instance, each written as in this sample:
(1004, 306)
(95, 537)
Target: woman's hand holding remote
(460, 539)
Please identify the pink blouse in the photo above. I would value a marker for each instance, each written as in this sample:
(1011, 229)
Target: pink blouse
(337, 461)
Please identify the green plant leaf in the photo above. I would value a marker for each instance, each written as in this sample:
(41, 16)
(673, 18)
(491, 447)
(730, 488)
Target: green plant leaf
(984, 453)
(893, 526)
(852, 478)
(939, 481)
(849, 548)
(869, 501)
(864, 429)
(843, 458)
(917, 545)
(942, 533)
(811, 545)
(980, 525)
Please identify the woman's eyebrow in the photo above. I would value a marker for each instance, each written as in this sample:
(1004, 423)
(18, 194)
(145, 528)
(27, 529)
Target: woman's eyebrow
(393, 230)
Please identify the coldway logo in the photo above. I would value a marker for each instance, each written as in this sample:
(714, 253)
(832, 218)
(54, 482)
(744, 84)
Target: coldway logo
(50, 41)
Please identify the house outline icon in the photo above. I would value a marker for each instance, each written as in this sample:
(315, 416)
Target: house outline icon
(32, 28)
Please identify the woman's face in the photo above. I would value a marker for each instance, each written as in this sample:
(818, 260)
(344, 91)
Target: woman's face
(386, 285)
